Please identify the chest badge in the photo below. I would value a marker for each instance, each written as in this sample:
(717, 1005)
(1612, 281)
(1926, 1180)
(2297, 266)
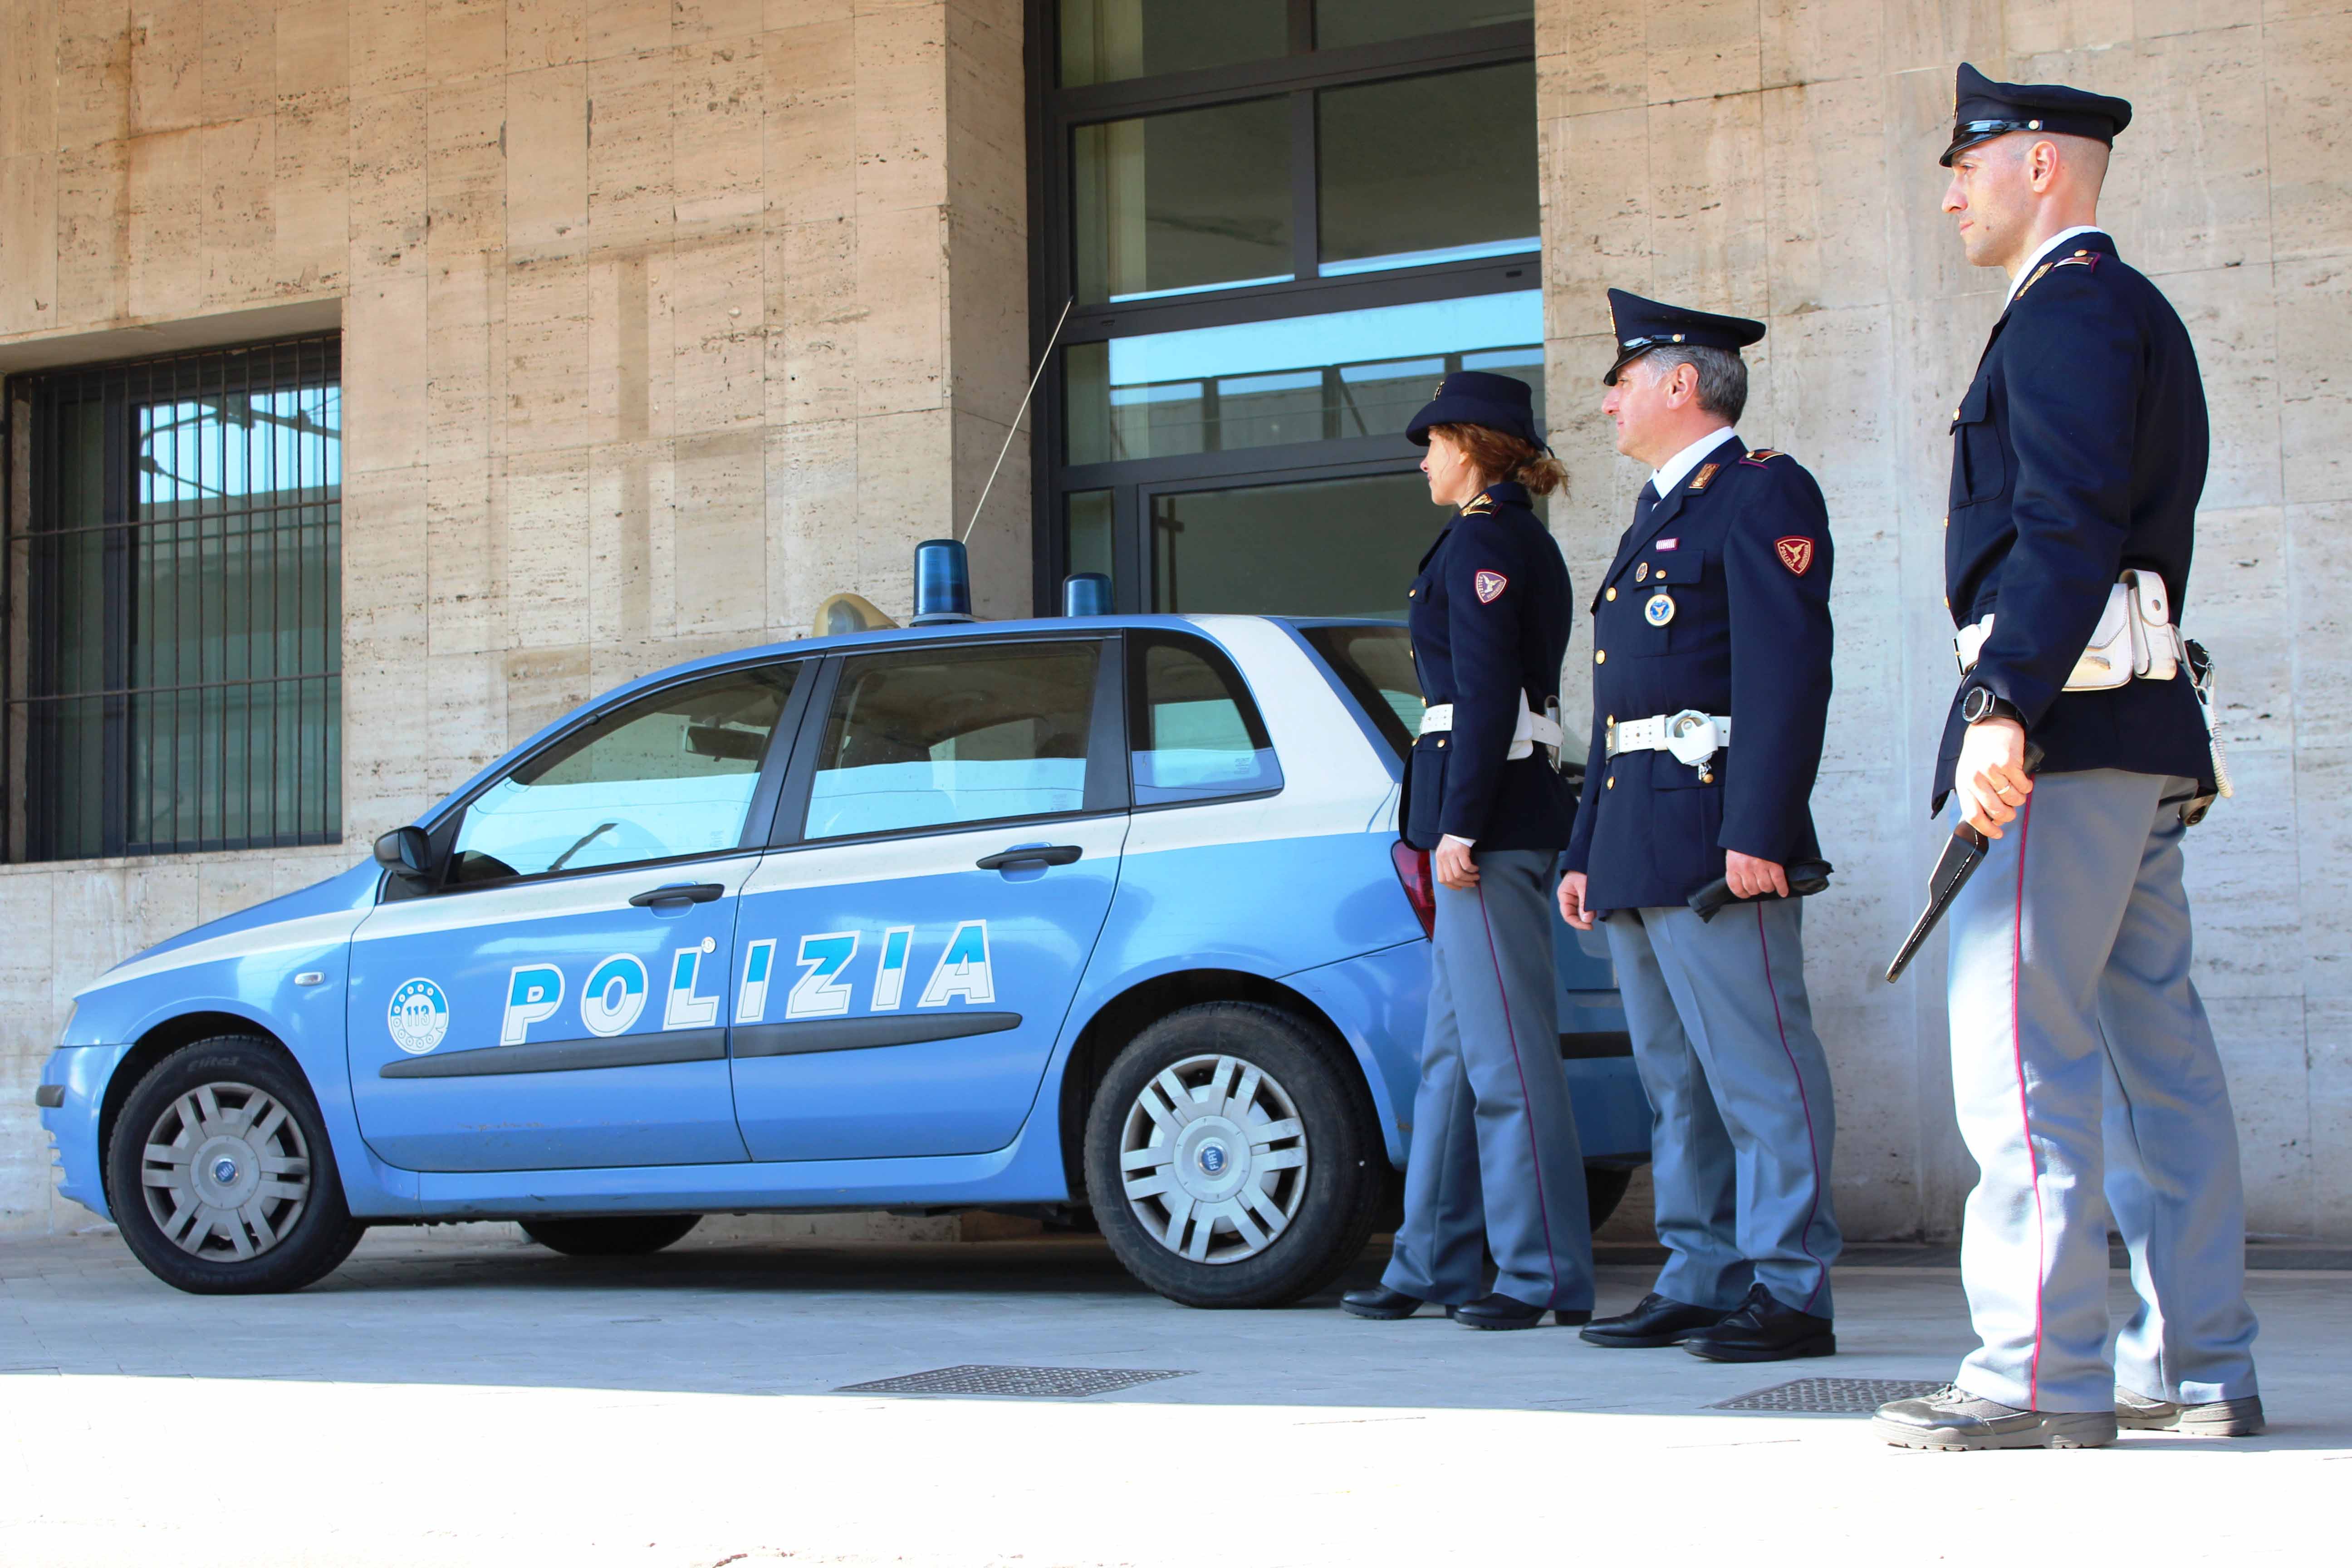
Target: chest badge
(1796, 554)
(1489, 586)
(1642, 572)
(1660, 609)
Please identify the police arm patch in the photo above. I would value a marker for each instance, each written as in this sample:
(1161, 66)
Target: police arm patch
(1489, 586)
(1796, 553)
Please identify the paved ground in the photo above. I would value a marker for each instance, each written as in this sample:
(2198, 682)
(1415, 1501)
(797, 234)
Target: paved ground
(472, 1399)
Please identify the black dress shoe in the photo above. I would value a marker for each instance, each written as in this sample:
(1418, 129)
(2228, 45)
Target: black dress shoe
(1501, 1311)
(1761, 1329)
(1658, 1320)
(1380, 1302)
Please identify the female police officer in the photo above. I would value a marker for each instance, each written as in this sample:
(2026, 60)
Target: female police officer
(1495, 1166)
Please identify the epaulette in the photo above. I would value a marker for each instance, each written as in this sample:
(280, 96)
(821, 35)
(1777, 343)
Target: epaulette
(2089, 258)
(1762, 456)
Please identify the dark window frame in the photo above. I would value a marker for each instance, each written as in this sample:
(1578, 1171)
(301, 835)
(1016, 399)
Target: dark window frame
(31, 829)
(1055, 111)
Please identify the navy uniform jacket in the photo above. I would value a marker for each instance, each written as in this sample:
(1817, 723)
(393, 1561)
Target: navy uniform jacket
(2078, 451)
(1742, 551)
(1489, 617)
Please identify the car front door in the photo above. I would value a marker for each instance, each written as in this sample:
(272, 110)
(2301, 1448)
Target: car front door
(555, 996)
(948, 847)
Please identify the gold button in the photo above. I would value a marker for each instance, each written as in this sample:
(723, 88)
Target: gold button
(1947, 601)
(1610, 595)
(1408, 592)
(2081, 253)
(1601, 656)
(1613, 781)
(1613, 718)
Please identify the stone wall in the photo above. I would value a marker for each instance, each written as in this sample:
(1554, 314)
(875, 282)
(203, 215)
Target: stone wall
(1778, 161)
(646, 311)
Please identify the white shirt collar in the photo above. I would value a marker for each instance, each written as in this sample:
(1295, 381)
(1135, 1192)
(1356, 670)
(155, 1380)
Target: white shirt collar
(1676, 468)
(2052, 243)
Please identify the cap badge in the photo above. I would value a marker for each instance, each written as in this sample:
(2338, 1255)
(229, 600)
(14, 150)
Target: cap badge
(1437, 391)
(1660, 609)
(1489, 586)
(1796, 553)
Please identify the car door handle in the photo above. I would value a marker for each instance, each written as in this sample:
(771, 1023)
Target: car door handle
(1042, 854)
(679, 893)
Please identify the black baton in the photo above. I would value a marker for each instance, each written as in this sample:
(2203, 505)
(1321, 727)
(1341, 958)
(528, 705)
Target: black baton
(1962, 855)
(1806, 877)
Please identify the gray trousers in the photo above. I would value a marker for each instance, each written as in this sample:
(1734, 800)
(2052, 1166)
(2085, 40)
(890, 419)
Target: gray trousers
(1495, 1166)
(1740, 1093)
(2082, 1060)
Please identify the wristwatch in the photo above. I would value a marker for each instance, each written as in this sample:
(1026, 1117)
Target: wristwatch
(1979, 704)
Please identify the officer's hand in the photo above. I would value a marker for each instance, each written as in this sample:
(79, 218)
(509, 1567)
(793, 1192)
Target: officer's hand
(1750, 878)
(1572, 901)
(1992, 779)
(1456, 869)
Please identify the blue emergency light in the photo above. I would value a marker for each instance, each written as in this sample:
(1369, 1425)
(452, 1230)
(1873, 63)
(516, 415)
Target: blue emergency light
(942, 584)
(1085, 593)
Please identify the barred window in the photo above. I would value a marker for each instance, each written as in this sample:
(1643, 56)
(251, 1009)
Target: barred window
(174, 572)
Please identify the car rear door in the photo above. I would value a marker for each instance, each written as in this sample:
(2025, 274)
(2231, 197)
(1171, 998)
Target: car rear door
(556, 997)
(947, 848)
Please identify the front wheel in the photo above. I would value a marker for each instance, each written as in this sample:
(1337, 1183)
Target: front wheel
(1230, 1157)
(220, 1175)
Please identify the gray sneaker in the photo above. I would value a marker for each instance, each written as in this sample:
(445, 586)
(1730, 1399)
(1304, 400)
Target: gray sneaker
(1952, 1420)
(2218, 1418)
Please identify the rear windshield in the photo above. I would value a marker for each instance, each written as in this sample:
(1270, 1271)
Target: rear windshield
(1374, 662)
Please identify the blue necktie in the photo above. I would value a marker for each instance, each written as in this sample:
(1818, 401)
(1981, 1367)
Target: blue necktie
(1644, 505)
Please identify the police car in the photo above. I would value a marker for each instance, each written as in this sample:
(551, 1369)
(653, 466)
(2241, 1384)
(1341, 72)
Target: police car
(1016, 915)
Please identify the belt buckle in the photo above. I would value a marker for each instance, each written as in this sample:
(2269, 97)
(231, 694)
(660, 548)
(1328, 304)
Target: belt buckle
(1691, 736)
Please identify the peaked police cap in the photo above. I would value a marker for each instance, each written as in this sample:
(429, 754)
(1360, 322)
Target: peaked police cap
(1983, 108)
(1479, 397)
(1644, 324)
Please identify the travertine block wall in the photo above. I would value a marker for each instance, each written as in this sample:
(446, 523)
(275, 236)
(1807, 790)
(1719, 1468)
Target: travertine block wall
(1778, 160)
(662, 320)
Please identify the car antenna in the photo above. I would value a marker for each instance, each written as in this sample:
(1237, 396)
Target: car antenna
(1043, 360)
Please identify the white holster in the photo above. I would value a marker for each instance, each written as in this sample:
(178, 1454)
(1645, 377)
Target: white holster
(2135, 639)
(1531, 729)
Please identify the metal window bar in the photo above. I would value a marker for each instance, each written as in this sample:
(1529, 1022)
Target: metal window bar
(180, 686)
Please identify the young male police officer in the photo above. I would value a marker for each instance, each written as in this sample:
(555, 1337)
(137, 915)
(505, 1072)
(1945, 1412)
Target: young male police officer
(2078, 455)
(1495, 1169)
(1710, 687)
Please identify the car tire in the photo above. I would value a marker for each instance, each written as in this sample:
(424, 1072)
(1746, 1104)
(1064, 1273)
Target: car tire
(220, 1175)
(1273, 1108)
(1604, 1189)
(611, 1235)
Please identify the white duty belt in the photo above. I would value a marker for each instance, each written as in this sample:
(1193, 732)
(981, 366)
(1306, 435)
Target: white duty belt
(1532, 729)
(2136, 639)
(1692, 736)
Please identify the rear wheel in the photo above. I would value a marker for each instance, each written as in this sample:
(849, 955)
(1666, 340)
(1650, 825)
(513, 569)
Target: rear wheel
(611, 1236)
(220, 1175)
(1230, 1157)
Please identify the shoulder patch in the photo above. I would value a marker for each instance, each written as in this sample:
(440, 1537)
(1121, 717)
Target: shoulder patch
(2089, 258)
(1762, 456)
(1705, 477)
(1489, 586)
(1796, 553)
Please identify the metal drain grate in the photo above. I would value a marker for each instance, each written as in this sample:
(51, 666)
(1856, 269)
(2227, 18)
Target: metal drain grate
(1828, 1396)
(1017, 1382)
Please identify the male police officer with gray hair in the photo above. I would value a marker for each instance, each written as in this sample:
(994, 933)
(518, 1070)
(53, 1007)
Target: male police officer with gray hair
(2078, 455)
(1710, 689)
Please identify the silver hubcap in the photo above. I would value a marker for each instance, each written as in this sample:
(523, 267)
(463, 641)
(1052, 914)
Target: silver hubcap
(1214, 1157)
(226, 1172)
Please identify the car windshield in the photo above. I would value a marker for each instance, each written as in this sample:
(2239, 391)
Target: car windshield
(1374, 661)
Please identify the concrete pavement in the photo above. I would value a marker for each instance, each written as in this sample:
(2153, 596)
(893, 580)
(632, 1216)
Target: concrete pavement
(467, 1397)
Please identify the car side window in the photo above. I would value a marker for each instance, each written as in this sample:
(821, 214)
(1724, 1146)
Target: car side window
(932, 737)
(1192, 731)
(669, 774)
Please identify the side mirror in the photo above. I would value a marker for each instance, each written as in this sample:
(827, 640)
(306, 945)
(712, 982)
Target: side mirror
(407, 851)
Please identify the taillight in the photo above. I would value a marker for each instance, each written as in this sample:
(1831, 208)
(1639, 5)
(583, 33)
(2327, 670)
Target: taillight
(1412, 870)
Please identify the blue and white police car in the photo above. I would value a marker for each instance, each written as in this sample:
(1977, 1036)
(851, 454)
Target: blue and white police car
(1102, 910)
